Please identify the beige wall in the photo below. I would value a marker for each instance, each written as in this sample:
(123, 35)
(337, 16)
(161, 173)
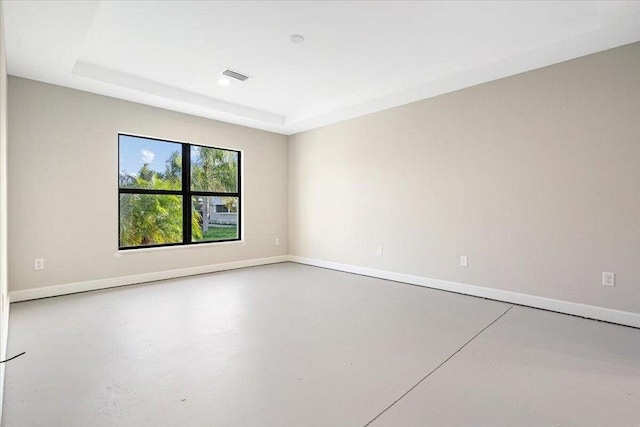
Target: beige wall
(536, 178)
(63, 201)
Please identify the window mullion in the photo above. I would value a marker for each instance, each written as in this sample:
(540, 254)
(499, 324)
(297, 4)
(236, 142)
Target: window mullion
(127, 190)
(186, 197)
(213, 194)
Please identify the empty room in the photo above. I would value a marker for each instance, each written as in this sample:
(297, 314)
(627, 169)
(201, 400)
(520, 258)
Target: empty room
(319, 213)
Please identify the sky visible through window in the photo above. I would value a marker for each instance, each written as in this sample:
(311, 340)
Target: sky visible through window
(136, 151)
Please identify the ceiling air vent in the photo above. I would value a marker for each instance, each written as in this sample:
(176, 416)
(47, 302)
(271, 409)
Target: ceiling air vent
(235, 75)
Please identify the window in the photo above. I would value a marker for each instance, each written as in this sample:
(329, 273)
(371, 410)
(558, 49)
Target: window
(173, 193)
(222, 209)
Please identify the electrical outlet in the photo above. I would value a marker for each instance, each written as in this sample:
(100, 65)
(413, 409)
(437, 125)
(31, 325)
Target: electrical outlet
(608, 279)
(38, 264)
(277, 242)
(379, 250)
(463, 261)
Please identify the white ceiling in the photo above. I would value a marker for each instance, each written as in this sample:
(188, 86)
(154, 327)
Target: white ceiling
(358, 57)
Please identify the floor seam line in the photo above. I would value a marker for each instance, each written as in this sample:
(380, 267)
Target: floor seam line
(438, 367)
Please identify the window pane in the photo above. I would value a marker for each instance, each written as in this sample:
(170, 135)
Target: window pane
(214, 218)
(150, 219)
(149, 163)
(213, 169)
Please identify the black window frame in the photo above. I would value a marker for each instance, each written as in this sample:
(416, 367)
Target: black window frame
(186, 193)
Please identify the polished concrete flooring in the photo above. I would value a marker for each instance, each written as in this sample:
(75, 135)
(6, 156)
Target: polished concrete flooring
(293, 345)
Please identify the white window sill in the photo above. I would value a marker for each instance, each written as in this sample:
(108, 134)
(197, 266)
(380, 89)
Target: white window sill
(120, 253)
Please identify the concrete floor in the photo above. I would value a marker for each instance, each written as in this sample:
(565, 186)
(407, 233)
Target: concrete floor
(292, 345)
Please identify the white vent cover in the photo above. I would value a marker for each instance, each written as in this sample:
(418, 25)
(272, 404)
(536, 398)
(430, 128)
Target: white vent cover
(234, 75)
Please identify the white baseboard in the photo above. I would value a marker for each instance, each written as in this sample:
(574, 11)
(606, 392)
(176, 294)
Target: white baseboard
(583, 310)
(92, 285)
